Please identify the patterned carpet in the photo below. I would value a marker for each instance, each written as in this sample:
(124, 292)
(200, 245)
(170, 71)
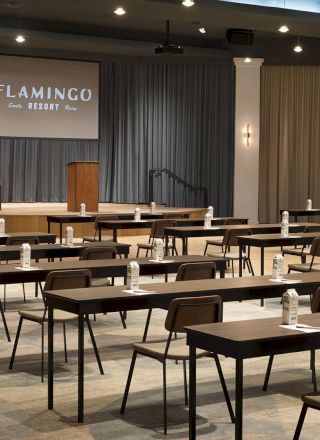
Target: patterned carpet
(23, 406)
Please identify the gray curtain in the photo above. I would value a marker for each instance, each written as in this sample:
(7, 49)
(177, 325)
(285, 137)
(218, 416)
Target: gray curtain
(289, 139)
(174, 116)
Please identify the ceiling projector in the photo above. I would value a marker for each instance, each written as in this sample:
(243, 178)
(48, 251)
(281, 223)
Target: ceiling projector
(167, 47)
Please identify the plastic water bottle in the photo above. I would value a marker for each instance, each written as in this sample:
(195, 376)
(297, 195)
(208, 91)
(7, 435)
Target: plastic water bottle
(152, 208)
(309, 204)
(2, 226)
(157, 249)
(133, 273)
(207, 221)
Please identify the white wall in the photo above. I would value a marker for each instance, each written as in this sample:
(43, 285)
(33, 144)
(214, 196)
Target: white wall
(247, 111)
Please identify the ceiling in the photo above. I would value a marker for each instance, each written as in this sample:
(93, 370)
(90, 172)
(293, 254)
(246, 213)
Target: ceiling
(91, 26)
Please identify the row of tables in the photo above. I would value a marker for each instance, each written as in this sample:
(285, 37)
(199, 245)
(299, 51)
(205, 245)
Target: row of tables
(237, 340)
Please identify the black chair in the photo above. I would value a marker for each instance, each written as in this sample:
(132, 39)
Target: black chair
(57, 280)
(301, 251)
(182, 312)
(308, 267)
(102, 253)
(157, 231)
(100, 218)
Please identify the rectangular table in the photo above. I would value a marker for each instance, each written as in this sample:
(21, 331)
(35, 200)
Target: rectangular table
(59, 250)
(301, 212)
(11, 274)
(114, 299)
(273, 240)
(199, 231)
(44, 237)
(114, 225)
(243, 340)
(62, 219)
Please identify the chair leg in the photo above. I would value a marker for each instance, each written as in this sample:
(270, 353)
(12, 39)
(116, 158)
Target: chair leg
(164, 376)
(224, 387)
(300, 422)
(24, 293)
(232, 268)
(138, 252)
(126, 391)
(4, 297)
(42, 351)
(266, 379)
(123, 320)
(185, 383)
(94, 345)
(15, 343)
(65, 343)
(313, 370)
(146, 327)
(4, 322)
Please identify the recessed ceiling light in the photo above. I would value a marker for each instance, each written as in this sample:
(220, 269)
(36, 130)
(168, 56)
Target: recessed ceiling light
(120, 11)
(202, 30)
(283, 29)
(20, 39)
(248, 60)
(298, 48)
(188, 3)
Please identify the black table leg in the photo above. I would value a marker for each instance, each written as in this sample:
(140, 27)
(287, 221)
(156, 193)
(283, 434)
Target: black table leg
(262, 260)
(239, 399)
(99, 233)
(192, 392)
(115, 235)
(60, 232)
(222, 272)
(49, 226)
(50, 357)
(240, 261)
(80, 367)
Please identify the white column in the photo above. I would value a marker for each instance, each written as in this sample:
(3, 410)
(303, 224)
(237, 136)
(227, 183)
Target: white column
(247, 120)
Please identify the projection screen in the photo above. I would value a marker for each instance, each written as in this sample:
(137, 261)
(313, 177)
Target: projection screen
(49, 98)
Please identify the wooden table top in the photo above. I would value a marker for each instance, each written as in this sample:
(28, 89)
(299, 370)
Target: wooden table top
(275, 239)
(255, 337)
(56, 250)
(230, 289)
(44, 237)
(200, 231)
(301, 211)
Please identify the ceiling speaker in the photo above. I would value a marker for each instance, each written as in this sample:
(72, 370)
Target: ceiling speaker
(240, 36)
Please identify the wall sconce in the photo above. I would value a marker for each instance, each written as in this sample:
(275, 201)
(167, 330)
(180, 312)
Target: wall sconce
(247, 135)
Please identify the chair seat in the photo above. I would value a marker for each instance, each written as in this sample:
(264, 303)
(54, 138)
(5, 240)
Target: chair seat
(217, 241)
(100, 282)
(96, 238)
(297, 251)
(312, 399)
(178, 349)
(150, 246)
(37, 315)
(228, 255)
(305, 267)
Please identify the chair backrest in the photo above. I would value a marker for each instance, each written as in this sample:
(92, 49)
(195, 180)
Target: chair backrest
(231, 236)
(159, 225)
(99, 253)
(184, 312)
(315, 303)
(233, 221)
(104, 217)
(312, 228)
(196, 271)
(315, 247)
(18, 241)
(68, 279)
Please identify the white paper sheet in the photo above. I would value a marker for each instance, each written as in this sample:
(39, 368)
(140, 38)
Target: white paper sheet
(27, 269)
(139, 291)
(161, 261)
(285, 281)
(306, 329)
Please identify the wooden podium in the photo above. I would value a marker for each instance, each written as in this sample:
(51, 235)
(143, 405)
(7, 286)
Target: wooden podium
(83, 186)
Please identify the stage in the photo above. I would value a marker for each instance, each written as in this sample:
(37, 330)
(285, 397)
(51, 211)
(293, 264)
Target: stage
(32, 217)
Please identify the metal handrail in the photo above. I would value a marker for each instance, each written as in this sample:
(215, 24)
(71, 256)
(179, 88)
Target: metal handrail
(159, 171)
